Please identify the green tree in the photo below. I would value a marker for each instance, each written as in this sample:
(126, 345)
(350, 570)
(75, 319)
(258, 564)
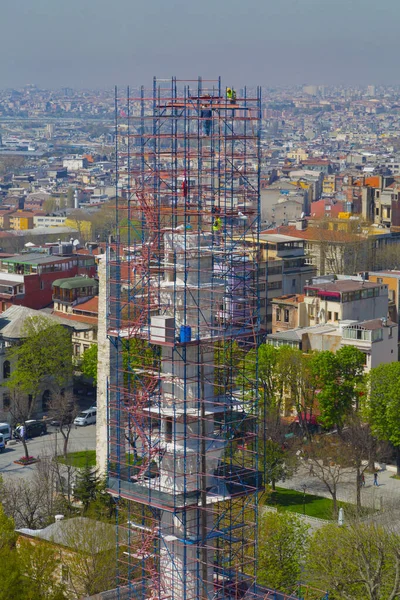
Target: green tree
(62, 203)
(92, 566)
(7, 529)
(10, 570)
(70, 198)
(277, 462)
(88, 365)
(86, 486)
(44, 354)
(282, 548)
(331, 461)
(11, 576)
(339, 378)
(41, 566)
(383, 405)
(227, 358)
(360, 561)
(50, 205)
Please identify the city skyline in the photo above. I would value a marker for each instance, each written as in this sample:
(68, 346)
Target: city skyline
(91, 45)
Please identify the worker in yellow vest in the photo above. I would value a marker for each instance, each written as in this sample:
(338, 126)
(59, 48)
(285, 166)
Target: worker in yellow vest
(216, 229)
(231, 95)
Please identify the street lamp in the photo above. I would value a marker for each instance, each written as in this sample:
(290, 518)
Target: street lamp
(304, 499)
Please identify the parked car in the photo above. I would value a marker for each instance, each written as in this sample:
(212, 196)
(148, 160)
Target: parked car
(32, 429)
(86, 417)
(2, 443)
(5, 430)
(67, 419)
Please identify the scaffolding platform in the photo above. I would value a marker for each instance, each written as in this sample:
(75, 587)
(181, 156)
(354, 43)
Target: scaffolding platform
(183, 319)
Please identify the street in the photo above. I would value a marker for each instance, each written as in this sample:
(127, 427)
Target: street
(82, 438)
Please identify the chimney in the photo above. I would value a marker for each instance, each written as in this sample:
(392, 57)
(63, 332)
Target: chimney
(58, 518)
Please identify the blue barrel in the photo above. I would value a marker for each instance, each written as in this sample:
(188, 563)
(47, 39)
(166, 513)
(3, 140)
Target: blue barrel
(185, 334)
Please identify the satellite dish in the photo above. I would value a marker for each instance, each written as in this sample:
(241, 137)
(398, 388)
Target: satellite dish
(76, 243)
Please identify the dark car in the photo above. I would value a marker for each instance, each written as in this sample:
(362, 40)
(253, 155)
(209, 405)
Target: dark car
(32, 429)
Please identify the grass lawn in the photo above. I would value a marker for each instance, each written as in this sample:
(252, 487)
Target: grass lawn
(313, 506)
(79, 459)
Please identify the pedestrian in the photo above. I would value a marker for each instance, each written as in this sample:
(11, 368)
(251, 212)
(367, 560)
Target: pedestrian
(376, 479)
(362, 480)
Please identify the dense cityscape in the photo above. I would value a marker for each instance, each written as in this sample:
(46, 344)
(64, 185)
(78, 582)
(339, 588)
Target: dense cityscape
(199, 342)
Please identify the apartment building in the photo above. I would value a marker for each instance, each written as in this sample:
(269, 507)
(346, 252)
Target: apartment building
(330, 301)
(376, 338)
(27, 279)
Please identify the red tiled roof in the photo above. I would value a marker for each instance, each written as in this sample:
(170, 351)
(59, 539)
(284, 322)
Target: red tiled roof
(91, 305)
(78, 318)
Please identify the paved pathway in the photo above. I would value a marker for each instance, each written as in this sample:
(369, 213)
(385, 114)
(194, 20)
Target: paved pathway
(82, 438)
(387, 492)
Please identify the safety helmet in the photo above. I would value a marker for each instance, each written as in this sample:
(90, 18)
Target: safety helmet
(228, 89)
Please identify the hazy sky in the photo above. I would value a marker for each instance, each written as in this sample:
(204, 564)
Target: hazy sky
(97, 43)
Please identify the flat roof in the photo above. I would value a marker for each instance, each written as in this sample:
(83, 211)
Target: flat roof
(278, 238)
(35, 259)
(342, 285)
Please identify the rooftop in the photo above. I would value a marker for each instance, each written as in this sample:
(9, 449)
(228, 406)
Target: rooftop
(315, 234)
(289, 299)
(33, 258)
(278, 238)
(374, 324)
(342, 285)
(71, 533)
(70, 283)
(13, 319)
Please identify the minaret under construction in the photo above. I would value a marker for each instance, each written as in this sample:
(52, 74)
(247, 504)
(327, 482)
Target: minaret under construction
(183, 319)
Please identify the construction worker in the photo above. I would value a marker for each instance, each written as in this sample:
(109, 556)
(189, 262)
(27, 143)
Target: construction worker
(206, 115)
(216, 229)
(231, 95)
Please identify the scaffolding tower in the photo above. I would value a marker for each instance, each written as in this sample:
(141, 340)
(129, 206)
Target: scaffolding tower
(183, 319)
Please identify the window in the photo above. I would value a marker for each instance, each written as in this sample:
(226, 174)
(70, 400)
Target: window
(41, 284)
(6, 369)
(261, 273)
(85, 347)
(336, 317)
(168, 430)
(77, 349)
(6, 401)
(262, 303)
(86, 335)
(286, 315)
(278, 314)
(379, 279)
(46, 397)
(329, 315)
(261, 287)
(311, 311)
(293, 283)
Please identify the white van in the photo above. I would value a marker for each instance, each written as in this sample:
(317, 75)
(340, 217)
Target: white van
(5, 429)
(86, 417)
